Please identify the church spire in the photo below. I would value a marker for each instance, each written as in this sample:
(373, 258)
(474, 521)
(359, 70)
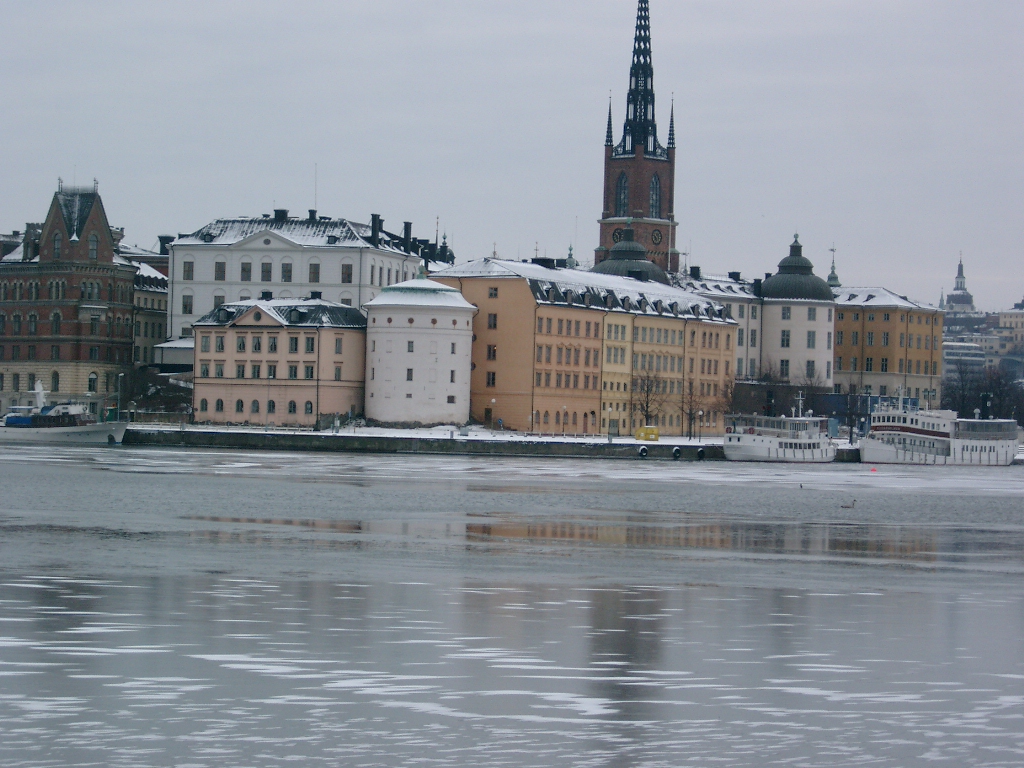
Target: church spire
(609, 139)
(672, 126)
(640, 128)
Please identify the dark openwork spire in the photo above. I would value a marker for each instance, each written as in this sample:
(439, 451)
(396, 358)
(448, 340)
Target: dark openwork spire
(609, 139)
(672, 126)
(640, 128)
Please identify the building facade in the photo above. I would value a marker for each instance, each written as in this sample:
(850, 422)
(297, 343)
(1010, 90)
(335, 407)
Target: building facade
(561, 351)
(419, 338)
(639, 173)
(285, 257)
(887, 345)
(282, 362)
(66, 306)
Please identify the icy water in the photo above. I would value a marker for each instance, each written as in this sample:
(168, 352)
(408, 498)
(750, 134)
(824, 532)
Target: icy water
(171, 608)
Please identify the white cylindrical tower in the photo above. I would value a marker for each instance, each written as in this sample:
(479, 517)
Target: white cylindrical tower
(419, 339)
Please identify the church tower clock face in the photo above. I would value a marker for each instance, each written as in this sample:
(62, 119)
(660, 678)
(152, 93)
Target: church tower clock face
(656, 237)
(617, 235)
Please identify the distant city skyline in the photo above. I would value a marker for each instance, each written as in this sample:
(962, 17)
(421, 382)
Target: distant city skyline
(893, 131)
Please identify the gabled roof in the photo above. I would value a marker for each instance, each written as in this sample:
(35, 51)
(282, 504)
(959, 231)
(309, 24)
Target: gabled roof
(848, 296)
(604, 292)
(322, 232)
(295, 313)
(75, 205)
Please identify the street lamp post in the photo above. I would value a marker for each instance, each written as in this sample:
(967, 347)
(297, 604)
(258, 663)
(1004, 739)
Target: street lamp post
(120, 378)
(565, 414)
(700, 425)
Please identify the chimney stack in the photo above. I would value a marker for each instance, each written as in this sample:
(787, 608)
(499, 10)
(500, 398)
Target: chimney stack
(312, 214)
(165, 240)
(280, 214)
(376, 223)
(407, 237)
(695, 273)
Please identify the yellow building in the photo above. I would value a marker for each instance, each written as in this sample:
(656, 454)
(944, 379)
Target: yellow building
(564, 351)
(887, 345)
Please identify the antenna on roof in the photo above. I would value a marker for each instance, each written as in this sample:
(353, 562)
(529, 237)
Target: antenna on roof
(314, 187)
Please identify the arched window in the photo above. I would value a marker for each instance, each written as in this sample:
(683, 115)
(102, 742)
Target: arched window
(239, 406)
(203, 405)
(56, 245)
(291, 406)
(219, 406)
(255, 406)
(55, 382)
(574, 419)
(309, 408)
(55, 324)
(622, 196)
(558, 417)
(547, 417)
(271, 406)
(93, 382)
(656, 197)
(94, 246)
(33, 324)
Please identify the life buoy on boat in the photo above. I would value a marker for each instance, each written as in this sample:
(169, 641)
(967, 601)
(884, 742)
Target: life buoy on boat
(750, 431)
(728, 430)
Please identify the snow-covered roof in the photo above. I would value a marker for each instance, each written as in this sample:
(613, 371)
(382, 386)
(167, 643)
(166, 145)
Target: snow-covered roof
(322, 232)
(189, 343)
(313, 313)
(718, 287)
(847, 296)
(16, 256)
(420, 293)
(593, 289)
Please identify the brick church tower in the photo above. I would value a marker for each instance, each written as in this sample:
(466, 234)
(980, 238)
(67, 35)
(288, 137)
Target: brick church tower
(639, 173)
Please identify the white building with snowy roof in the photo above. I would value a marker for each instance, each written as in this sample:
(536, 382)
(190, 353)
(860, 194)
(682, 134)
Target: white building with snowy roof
(284, 257)
(419, 339)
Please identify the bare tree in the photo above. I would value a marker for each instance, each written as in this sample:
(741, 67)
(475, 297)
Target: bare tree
(961, 388)
(692, 403)
(649, 391)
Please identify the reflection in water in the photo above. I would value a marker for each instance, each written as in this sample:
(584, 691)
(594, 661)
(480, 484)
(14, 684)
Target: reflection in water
(220, 672)
(774, 538)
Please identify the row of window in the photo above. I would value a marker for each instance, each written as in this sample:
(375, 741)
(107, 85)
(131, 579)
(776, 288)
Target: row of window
(812, 339)
(121, 326)
(92, 382)
(378, 274)
(926, 319)
(58, 246)
(741, 309)
(255, 343)
(929, 342)
(256, 371)
(31, 353)
(563, 355)
(565, 327)
(589, 420)
(564, 381)
(254, 406)
(905, 366)
(810, 370)
(57, 290)
(753, 337)
(787, 314)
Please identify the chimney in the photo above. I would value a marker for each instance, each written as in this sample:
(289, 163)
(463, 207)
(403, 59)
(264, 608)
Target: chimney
(757, 287)
(734, 276)
(315, 295)
(165, 240)
(695, 273)
(312, 214)
(376, 222)
(767, 275)
(407, 237)
(280, 214)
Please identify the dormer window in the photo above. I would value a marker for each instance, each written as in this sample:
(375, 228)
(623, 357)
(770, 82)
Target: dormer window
(94, 247)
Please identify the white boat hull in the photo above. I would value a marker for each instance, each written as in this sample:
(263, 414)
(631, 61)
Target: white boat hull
(109, 433)
(879, 452)
(744, 448)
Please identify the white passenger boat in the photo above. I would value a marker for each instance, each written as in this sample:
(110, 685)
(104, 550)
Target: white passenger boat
(902, 434)
(801, 439)
(62, 423)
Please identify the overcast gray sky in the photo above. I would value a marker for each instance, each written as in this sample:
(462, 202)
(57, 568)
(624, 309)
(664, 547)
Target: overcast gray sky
(893, 129)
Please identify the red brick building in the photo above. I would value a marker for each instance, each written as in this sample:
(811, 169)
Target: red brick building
(639, 173)
(66, 314)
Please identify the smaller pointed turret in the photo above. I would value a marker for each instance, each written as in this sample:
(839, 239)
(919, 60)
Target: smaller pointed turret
(609, 137)
(833, 278)
(671, 126)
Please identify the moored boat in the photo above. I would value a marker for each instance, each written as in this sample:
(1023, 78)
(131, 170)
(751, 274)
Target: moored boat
(801, 439)
(61, 423)
(902, 434)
